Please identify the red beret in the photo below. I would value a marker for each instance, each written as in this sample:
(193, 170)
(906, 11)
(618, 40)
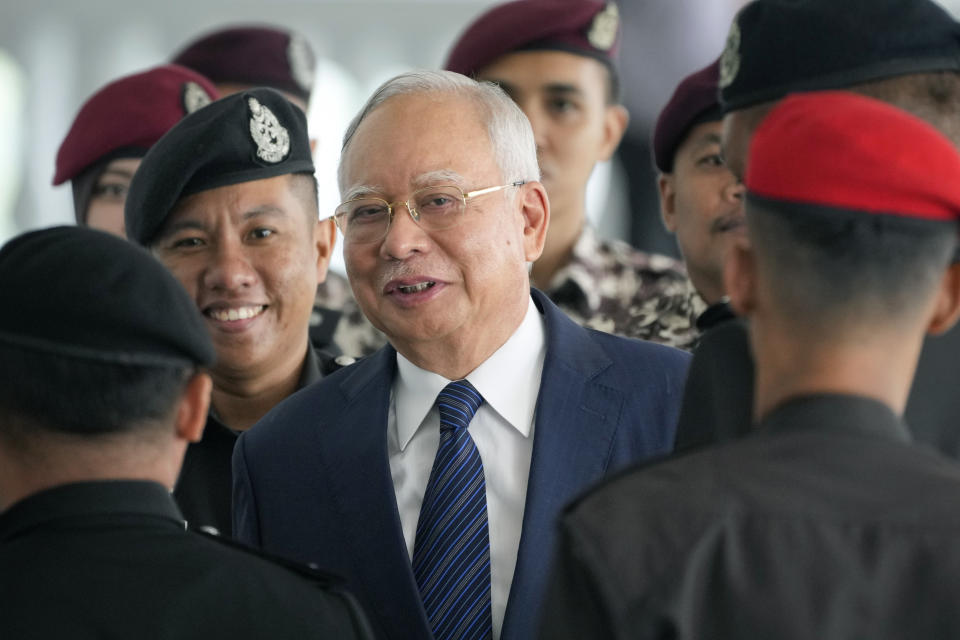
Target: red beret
(695, 100)
(585, 27)
(257, 56)
(130, 113)
(844, 151)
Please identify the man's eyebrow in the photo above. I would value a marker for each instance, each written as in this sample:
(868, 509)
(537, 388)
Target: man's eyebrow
(706, 140)
(363, 191)
(443, 176)
(123, 173)
(268, 210)
(561, 88)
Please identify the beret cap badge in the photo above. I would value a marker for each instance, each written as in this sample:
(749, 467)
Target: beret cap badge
(273, 140)
(194, 97)
(302, 63)
(603, 29)
(730, 60)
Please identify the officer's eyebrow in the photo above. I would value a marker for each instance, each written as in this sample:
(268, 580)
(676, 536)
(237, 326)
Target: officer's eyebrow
(706, 139)
(123, 173)
(562, 88)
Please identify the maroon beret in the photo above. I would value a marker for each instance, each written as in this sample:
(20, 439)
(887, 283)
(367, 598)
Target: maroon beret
(695, 100)
(585, 27)
(257, 56)
(130, 113)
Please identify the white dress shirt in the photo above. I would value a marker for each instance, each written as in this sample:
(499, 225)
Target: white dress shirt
(509, 381)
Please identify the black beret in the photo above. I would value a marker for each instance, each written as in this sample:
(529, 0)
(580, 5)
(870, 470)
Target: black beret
(694, 101)
(257, 55)
(776, 47)
(83, 293)
(586, 27)
(247, 136)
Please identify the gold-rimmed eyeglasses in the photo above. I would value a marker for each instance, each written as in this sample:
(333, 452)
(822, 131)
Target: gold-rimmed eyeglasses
(433, 208)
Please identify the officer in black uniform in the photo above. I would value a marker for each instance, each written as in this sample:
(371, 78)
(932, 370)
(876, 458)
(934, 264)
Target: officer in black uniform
(826, 521)
(244, 56)
(227, 201)
(910, 57)
(103, 383)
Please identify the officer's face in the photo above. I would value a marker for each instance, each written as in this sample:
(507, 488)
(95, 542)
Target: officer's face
(105, 210)
(738, 128)
(446, 291)
(564, 96)
(251, 255)
(702, 203)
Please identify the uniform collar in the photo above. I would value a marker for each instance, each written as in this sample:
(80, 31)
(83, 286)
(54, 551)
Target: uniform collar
(85, 499)
(836, 413)
(509, 381)
(577, 279)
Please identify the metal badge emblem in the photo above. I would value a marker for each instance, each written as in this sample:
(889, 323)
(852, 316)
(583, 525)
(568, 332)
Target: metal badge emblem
(603, 29)
(273, 140)
(194, 97)
(302, 63)
(730, 60)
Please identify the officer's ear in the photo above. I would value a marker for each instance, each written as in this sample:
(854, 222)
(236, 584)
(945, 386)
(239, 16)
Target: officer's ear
(324, 237)
(947, 307)
(740, 277)
(192, 409)
(668, 201)
(615, 121)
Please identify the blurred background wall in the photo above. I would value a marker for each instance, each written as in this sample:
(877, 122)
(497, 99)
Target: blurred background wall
(55, 53)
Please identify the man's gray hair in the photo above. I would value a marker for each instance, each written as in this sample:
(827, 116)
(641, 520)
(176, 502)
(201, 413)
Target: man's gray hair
(510, 133)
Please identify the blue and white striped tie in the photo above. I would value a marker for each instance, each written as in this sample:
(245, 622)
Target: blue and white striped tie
(451, 555)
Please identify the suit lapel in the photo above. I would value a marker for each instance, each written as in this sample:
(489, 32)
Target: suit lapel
(358, 473)
(576, 421)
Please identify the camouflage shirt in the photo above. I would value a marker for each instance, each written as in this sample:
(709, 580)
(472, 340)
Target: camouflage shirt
(610, 286)
(338, 319)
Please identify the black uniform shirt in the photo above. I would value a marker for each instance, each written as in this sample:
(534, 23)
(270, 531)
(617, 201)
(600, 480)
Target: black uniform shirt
(112, 559)
(825, 522)
(204, 488)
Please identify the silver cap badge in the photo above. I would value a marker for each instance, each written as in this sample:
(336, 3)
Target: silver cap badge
(730, 60)
(194, 97)
(273, 140)
(603, 29)
(302, 63)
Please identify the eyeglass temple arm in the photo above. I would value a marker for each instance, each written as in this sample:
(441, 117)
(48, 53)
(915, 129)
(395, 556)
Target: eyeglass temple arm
(480, 192)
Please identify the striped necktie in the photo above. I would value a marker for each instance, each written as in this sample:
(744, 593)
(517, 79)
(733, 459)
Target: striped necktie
(451, 555)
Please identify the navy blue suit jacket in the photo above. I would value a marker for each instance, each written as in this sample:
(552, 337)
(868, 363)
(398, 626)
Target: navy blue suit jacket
(312, 479)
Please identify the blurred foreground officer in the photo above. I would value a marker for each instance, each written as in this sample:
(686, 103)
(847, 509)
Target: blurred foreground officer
(227, 201)
(489, 404)
(102, 385)
(826, 521)
(556, 60)
(242, 57)
(701, 201)
(113, 131)
(909, 57)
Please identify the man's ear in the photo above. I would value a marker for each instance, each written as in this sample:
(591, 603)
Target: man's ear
(324, 237)
(615, 121)
(668, 201)
(740, 277)
(192, 409)
(947, 307)
(535, 208)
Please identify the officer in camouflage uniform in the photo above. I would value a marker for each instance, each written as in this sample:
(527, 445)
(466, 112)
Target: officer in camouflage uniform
(556, 60)
(243, 57)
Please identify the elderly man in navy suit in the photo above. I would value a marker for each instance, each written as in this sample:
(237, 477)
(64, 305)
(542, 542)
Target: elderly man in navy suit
(431, 473)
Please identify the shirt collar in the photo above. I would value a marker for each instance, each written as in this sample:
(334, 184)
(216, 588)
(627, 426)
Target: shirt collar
(509, 381)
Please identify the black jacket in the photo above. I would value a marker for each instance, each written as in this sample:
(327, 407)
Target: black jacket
(112, 559)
